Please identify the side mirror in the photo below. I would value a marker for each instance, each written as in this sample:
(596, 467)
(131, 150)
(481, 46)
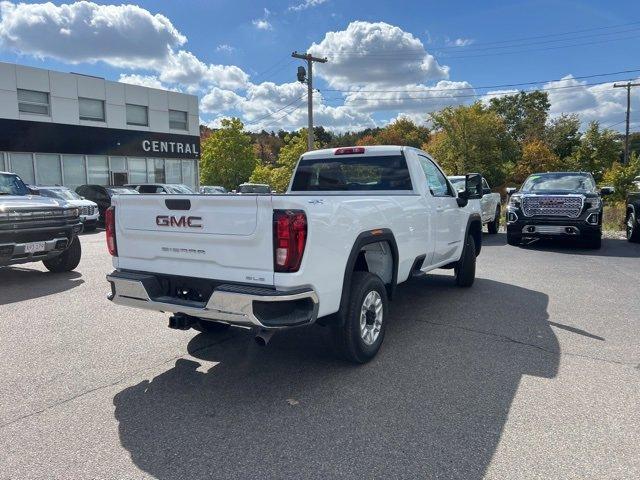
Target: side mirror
(511, 190)
(473, 186)
(607, 190)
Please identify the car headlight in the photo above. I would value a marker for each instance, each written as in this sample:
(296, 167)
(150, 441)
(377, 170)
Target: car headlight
(71, 212)
(515, 201)
(593, 203)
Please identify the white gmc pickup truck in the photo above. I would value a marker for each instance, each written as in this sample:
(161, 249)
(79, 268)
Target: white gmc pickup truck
(354, 223)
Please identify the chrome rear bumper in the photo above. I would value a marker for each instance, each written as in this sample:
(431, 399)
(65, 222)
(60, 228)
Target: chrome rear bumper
(234, 304)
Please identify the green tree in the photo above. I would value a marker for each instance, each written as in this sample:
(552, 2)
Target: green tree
(227, 156)
(621, 176)
(400, 132)
(562, 134)
(524, 114)
(472, 139)
(278, 177)
(597, 152)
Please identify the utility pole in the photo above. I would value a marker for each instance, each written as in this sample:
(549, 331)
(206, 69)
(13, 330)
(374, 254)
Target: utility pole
(628, 86)
(301, 77)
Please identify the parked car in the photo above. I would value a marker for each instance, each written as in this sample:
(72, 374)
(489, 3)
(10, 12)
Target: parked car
(254, 188)
(632, 219)
(489, 203)
(35, 228)
(166, 188)
(88, 210)
(102, 196)
(212, 190)
(556, 205)
(356, 222)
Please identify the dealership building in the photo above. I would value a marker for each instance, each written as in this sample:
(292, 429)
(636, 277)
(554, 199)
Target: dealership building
(72, 129)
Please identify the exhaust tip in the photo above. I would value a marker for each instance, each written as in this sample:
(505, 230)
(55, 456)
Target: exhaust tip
(263, 337)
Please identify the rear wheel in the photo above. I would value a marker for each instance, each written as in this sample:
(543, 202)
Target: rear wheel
(633, 232)
(360, 335)
(67, 260)
(494, 226)
(465, 268)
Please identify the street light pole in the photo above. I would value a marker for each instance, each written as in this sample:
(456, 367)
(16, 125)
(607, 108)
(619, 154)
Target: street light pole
(310, 59)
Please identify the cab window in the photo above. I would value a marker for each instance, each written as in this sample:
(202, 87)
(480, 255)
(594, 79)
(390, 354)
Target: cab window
(436, 181)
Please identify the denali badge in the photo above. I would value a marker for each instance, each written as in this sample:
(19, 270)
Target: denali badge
(171, 221)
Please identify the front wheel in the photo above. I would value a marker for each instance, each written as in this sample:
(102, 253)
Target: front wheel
(67, 260)
(494, 226)
(360, 334)
(514, 240)
(465, 268)
(633, 232)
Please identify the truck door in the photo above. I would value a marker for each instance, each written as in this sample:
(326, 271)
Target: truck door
(448, 215)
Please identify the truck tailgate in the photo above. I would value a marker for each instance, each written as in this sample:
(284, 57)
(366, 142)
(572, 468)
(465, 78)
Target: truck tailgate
(219, 237)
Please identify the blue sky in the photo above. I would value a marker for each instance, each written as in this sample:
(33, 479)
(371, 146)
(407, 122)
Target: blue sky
(386, 59)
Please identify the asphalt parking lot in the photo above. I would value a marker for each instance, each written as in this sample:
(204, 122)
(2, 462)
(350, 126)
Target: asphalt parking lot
(534, 372)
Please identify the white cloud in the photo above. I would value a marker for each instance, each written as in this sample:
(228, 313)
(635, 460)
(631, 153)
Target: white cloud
(375, 53)
(263, 23)
(143, 80)
(225, 48)
(459, 42)
(185, 68)
(306, 4)
(219, 100)
(121, 35)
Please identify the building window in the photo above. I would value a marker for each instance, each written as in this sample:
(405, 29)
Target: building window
(98, 170)
(22, 165)
(137, 115)
(48, 169)
(30, 101)
(74, 171)
(178, 120)
(155, 169)
(137, 170)
(91, 109)
(189, 173)
(173, 172)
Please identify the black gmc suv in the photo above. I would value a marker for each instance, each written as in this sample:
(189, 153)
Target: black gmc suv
(34, 228)
(556, 205)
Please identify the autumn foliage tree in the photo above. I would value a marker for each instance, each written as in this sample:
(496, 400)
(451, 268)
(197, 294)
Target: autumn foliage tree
(536, 157)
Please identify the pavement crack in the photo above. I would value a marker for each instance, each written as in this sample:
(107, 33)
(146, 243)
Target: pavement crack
(507, 339)
(111, 384)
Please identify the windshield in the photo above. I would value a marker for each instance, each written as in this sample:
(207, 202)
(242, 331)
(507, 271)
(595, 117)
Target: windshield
(566, 182)
(178, 189)
(12, 185)
(60, 193)
(122, 191)
(458, 183)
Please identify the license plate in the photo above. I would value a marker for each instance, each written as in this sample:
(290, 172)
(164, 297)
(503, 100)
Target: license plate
(34, 247)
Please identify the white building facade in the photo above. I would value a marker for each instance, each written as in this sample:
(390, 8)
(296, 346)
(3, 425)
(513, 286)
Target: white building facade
(72, 129)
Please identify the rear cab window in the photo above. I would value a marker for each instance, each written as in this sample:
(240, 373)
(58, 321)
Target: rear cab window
(353, 173)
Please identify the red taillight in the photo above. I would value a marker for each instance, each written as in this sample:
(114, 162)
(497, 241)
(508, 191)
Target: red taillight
(289, 239)
(349, 150)
(110, 230)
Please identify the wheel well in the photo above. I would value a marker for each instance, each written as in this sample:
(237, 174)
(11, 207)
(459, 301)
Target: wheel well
(475, 230)
(376, 258)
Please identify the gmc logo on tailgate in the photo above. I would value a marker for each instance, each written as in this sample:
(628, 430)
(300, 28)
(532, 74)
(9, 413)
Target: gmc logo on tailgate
(184, 222)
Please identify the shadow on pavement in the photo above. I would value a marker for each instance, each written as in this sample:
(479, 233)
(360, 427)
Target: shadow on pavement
(18, 284)
(433, 403)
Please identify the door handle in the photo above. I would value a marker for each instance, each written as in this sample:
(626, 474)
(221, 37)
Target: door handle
(439, 209)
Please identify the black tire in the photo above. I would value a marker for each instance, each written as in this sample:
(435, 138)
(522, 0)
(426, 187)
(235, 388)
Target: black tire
(594, 243)
(348, 333)
(632, 227)
(465, 268)
(206, 326)
(493, 227)
(514, 240)
(67, 260)
(90, 229)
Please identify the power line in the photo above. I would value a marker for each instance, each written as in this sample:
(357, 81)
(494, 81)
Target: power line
(447, 97)
(279, 110)
(504, 85)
